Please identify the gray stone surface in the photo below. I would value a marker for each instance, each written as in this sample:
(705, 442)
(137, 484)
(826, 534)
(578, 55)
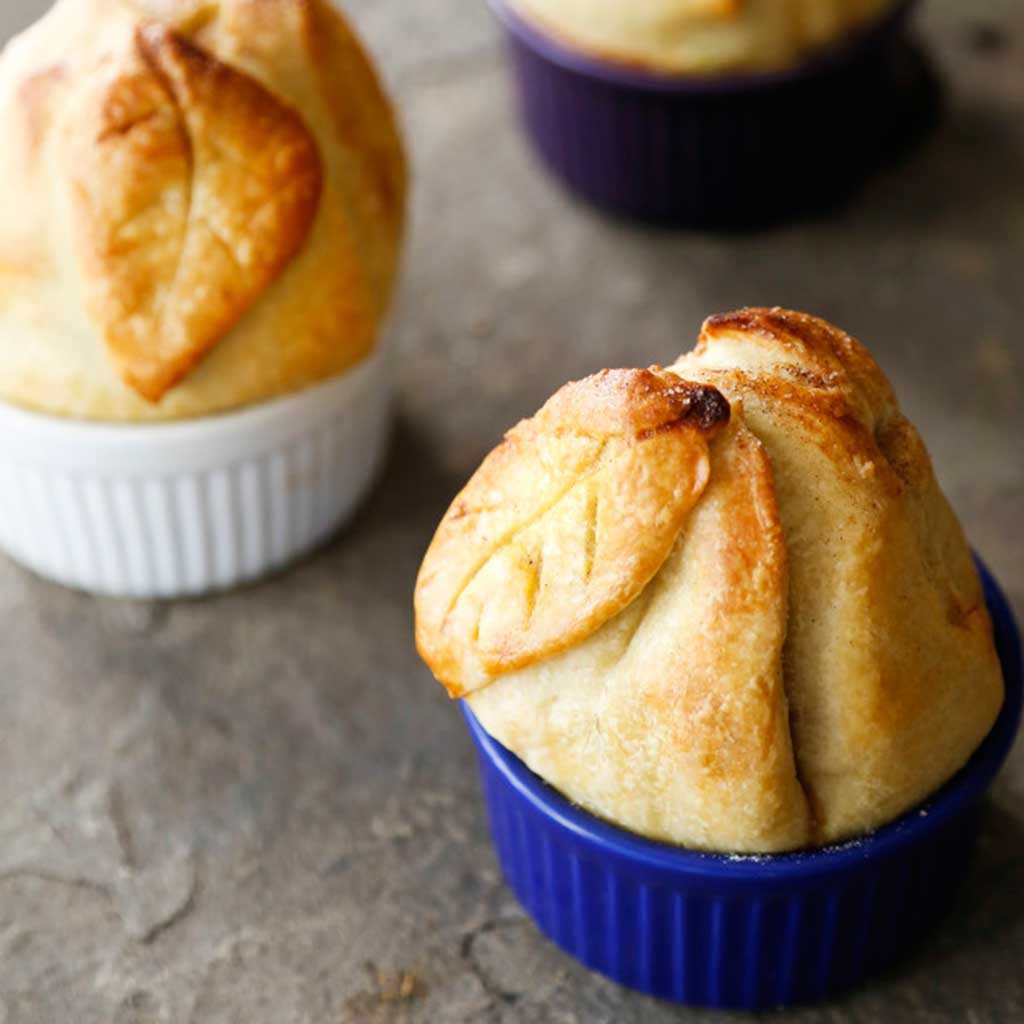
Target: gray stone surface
(259, 808)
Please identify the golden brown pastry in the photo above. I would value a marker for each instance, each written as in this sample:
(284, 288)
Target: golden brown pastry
(206, 203)
(748, 631)
(542, 547)
(703, 36)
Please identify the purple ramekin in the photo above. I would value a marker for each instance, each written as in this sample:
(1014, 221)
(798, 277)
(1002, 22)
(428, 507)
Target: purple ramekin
(723, 151)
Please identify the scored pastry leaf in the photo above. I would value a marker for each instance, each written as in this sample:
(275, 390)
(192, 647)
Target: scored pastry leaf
(564, 524)
(193, 187)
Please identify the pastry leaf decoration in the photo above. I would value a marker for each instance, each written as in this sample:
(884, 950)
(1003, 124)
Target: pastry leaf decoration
(565, 523)
(193, 186)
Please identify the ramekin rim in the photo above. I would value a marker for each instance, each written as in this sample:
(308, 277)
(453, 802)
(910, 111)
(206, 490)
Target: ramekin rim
(966, 787)
(622, 73)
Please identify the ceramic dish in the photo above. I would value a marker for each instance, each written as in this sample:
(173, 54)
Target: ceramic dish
(741, 931)
(727, 150)
(167, 510)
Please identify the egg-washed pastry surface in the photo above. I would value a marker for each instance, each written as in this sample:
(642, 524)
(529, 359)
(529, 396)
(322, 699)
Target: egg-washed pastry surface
(723, 605)
(703, 36)
(205, 206)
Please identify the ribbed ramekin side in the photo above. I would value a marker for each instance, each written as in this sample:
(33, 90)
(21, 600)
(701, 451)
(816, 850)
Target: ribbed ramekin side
(269, 497)
(644, 156)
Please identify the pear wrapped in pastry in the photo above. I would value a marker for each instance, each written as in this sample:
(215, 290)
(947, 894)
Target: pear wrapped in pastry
(209, 206)
(723, 605)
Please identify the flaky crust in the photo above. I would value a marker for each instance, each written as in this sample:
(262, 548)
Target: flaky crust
(210, 199)
(811, 657)
(703, 36)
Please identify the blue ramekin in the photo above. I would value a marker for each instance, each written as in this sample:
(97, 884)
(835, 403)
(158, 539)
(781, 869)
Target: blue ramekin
(741, 932)
(721, 151)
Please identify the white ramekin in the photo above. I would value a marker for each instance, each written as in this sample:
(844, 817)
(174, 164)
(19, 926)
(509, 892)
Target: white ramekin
(169, 510)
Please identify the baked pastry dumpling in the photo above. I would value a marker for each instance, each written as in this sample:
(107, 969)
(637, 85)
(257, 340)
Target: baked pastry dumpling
(724, 604)
(704, 36)
(210, 199)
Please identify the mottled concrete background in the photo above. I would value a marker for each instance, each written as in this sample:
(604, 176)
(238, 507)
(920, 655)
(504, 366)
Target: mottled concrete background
(259, 808)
